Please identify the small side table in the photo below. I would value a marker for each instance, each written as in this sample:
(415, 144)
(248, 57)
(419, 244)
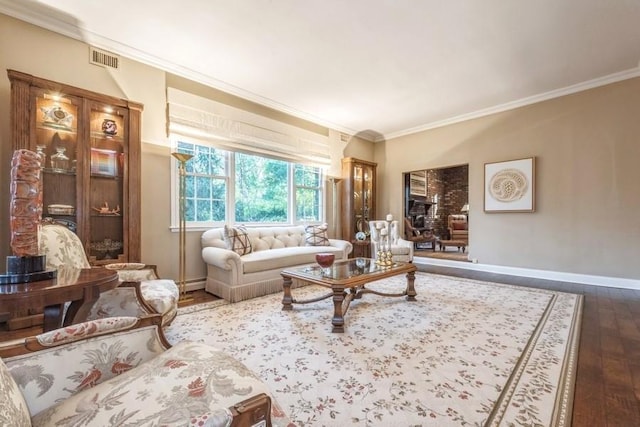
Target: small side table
(361, 249)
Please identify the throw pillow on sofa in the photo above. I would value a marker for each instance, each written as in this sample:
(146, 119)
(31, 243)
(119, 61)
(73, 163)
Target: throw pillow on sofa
(316, 235)
(237, 239)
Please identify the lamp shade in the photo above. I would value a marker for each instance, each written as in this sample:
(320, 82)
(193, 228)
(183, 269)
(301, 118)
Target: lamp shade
(465, 208)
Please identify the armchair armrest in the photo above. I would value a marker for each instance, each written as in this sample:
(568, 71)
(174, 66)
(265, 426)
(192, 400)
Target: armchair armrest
(134, 271)
(57, 364)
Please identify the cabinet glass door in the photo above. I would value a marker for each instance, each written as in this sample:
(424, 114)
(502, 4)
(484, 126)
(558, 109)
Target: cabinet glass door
(107, 234)
(56, 142)
(363, 188)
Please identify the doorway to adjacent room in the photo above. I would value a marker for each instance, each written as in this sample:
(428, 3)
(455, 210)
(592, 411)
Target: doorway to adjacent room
(431, 196)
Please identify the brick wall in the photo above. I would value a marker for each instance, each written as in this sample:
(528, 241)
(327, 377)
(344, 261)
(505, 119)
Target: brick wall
(450, 187)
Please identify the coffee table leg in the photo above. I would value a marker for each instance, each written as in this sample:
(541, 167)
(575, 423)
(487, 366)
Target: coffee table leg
(338, 317)
(286, 299)
(411, 290)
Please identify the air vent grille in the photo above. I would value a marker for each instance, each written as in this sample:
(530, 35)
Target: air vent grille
(103, 58)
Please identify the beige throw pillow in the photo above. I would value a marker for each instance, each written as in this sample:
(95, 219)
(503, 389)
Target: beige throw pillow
(237, 239)
(316, 235)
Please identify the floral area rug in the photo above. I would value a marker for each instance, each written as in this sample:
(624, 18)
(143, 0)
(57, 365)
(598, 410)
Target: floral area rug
(466, 353)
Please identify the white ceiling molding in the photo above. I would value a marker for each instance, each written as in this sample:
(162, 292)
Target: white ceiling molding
(50, 22)
(616, 77)
(393, 78)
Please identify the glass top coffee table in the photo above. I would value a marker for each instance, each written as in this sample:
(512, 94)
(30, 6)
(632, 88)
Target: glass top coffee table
(347, 280)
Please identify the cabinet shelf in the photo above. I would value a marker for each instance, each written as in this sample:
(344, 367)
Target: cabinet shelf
(56, 128)
(59, 172)
(97, 170)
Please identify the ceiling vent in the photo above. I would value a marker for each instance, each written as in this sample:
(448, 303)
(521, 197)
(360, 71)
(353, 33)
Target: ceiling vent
(103, 58)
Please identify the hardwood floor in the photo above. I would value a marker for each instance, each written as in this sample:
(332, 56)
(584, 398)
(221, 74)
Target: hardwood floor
(607, 392)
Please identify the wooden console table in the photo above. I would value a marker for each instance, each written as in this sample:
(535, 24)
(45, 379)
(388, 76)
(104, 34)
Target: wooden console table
(81, 287)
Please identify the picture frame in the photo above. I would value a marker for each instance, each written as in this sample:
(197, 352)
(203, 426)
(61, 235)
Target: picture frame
(104, 162)
(509, 186)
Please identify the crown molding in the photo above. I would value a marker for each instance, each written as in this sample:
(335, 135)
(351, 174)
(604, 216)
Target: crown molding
(34, 13)
(590, 84)
(44, 16)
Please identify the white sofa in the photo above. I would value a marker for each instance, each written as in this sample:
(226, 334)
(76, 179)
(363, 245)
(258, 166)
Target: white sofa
(238, 277)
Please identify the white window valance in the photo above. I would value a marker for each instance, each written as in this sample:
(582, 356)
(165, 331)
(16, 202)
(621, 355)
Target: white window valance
(235, 129)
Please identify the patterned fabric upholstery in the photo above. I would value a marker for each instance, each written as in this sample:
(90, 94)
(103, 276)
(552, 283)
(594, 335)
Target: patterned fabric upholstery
(118, 371)
(14, 411)
(63, 247)
(237, 239)
(316, 235)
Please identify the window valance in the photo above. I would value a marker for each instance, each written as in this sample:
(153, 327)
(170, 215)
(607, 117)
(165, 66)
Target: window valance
(231, 128)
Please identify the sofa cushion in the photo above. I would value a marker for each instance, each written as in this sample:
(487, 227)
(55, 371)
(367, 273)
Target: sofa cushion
(185, 382)
(14, 411)
(316, 235)
(237, 239)
(284, 258)
(459, 225)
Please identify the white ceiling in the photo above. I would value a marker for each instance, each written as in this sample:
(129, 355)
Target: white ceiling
(380, 67)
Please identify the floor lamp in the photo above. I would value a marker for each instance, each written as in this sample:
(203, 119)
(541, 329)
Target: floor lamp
(183, 159)
(334, 198)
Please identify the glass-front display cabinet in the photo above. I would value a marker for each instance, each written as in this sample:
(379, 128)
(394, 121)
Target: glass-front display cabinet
(358, 198)
(89, 149)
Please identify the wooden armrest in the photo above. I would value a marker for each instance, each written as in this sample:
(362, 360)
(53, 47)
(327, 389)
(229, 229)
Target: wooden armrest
(251, 412)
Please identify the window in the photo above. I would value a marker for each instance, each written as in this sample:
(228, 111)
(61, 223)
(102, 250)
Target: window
(308, 193)
(262, 193)
(234, 187)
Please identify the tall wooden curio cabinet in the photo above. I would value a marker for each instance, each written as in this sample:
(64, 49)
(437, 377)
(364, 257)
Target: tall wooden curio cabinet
(89, 145)
(358, 196)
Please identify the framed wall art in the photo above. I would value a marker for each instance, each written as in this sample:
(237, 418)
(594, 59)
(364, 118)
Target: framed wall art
(510, 186)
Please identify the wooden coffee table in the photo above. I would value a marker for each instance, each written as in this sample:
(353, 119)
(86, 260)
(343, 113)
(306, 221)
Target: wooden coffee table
(347, 280)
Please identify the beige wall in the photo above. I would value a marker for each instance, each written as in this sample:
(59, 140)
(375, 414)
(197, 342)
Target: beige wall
(586, 146)
(587, 149)
(45, 54)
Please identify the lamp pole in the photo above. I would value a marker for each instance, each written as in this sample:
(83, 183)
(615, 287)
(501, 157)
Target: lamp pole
(182, 285)
(334, 182)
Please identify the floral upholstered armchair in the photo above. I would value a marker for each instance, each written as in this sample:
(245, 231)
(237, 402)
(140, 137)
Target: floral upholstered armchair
(401, 249)
(141, 292)
(122, 371)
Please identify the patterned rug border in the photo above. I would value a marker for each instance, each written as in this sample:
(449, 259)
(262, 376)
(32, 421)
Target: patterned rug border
(512, 403)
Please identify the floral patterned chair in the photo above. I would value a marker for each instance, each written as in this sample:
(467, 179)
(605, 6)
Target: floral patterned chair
(122, 371)
(141, 292)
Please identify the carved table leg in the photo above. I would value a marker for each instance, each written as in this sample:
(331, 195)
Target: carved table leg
(411, 290)
(52, 318)
(79, 310)
(287, 300)
(338, 316)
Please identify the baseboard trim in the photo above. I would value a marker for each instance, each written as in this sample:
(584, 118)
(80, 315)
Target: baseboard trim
(559, 276)
(195, 284)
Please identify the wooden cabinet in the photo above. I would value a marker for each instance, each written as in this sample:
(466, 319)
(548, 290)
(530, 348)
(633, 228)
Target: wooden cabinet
(358, 196)
(90, 147)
